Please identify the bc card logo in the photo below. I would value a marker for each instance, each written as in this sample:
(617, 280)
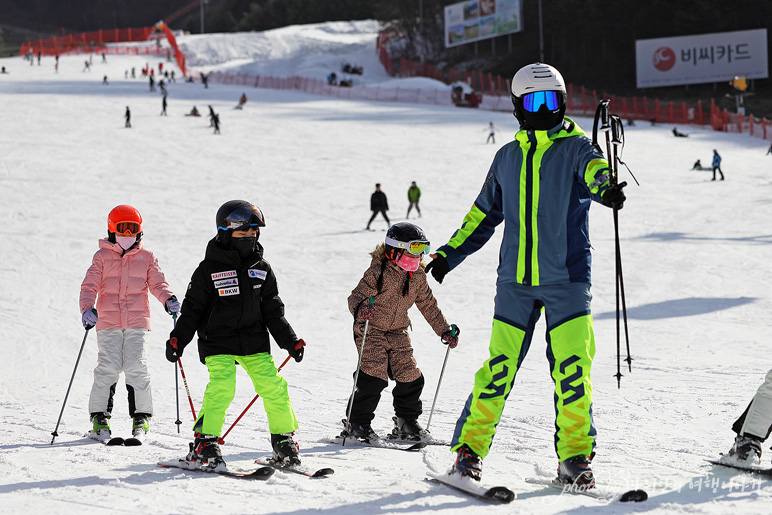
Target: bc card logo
(226, 282)
(225, 292)
(260, 274)
(223, 275)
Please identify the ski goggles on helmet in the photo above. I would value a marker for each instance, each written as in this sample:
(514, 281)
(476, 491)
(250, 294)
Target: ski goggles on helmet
(533, 101)
(242, 218)
(127, 228)
(414, 247)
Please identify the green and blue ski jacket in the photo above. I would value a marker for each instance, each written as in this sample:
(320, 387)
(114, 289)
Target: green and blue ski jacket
(541, 185)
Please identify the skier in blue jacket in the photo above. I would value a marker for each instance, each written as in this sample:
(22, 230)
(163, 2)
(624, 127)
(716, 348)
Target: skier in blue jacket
(541, 186)
(717, 165)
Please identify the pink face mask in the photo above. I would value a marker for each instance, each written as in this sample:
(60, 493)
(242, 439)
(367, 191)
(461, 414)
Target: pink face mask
(409, 262)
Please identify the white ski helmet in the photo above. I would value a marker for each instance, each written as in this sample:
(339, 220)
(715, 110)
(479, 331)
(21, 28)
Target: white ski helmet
(539, 112)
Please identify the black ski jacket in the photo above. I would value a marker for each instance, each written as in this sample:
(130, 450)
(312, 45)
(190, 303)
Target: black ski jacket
(378, 201)
(233, 304)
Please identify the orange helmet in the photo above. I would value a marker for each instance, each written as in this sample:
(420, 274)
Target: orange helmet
(124, 220)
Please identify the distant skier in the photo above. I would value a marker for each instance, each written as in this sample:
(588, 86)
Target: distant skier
(151, 81)
(491, 133)
(242, 101)
(205, 80)
(216, 121)
(163, 106)
(717, 165)
(769, 150)
(114, 299)
(86, 66)
(413, 195)
(378, 204)
(127, 115)
(133, 72)
(679, 134)
(752, 428)
(395, 281)
(697, 165)
(233, 303)
(211, 116)
(104, 81)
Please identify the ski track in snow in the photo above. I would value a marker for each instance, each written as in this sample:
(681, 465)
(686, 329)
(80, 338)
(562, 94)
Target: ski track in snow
(696, 258)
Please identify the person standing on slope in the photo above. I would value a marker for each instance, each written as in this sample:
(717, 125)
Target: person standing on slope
(114, 299)
(394, 281)
(752, 428)
(717, 165)
(378, 204)
(233, 303)
(541, 186)
(413, 196)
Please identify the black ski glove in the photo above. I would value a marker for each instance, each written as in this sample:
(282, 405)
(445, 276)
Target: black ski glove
(450, 338)
(173, 350)
(297, 351)
(439, 268)
(614, 196)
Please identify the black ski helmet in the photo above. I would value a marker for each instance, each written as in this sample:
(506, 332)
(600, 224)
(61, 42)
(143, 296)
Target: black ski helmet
(536, 78)
(236, 215)
(404, 236)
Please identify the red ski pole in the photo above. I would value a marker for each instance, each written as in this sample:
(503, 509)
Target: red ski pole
(173, 343)
(221, 440)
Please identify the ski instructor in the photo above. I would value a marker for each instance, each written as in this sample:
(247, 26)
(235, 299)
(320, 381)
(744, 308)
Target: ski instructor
(540, 185)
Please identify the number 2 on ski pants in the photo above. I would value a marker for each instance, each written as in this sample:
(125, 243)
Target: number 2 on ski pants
(221, 389)
(570, 350)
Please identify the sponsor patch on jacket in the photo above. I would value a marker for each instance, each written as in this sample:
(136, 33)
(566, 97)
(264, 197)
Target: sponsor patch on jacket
(225, 292)
(223, 275)
(260, 274)
(226, 282)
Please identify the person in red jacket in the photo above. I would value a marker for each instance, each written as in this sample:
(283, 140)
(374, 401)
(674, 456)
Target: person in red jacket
(114, 299)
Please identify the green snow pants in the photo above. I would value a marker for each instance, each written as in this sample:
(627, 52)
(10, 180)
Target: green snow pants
(570, 350)
(269, 385)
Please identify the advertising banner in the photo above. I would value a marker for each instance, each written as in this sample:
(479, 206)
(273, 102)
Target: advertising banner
(716, 57)
(474, 20)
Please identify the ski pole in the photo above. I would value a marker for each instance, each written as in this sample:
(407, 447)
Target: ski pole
(55, 434)
(439, 382)
(221, 440)
(176, 383)
(185, 382)
(356, 376)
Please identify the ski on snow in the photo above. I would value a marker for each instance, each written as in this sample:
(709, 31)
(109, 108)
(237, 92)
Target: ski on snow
(262, 473)
(378, 444)
(753, 470)
(117, 440)
(496, 494)
(607, 496)
(297, 469)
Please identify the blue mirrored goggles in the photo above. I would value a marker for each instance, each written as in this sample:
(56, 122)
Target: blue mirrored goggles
(243, 218)
(533, 101)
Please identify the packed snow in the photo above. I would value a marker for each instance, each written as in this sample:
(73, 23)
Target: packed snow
(696, 259)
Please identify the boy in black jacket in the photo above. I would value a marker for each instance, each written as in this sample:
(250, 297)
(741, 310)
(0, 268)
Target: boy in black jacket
(233, 303)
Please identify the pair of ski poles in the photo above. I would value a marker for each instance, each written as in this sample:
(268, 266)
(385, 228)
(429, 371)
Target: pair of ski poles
(359, 366)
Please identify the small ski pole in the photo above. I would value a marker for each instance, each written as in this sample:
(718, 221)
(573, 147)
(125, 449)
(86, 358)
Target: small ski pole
(185, 382)
(221, 440)
(55, 434)
(176, 383)
(439, 382)
(356, 376)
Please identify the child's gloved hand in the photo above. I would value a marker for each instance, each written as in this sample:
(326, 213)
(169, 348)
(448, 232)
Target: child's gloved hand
(173, 350)
(450, 338)
(89, 318)
(366, 312)
(297, 351)
(172, 305)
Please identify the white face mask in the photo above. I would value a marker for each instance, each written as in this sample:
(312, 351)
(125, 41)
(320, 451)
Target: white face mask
(126, 241)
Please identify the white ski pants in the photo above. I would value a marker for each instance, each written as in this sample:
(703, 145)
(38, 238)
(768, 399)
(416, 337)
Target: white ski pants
(758, 419)
(121, 350)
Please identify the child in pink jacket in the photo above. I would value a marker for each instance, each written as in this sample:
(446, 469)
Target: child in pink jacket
(117, 282)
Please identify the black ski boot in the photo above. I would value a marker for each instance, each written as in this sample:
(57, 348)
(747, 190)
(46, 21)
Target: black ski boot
(407, 429)
(285, 449)
(577, 471)
(468, 463)
(746, 452)
(363, 431)
(205, 451)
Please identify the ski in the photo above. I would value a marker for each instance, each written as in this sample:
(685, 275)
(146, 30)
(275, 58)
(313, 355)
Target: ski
(426, 440)
(110, 441)
(132, 442)
(262, 473)
(595, 493)
(297, 469)
(378, 444)
(753, 470)
(496, 494)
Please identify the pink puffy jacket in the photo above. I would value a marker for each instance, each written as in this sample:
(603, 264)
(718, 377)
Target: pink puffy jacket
(119, 284)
